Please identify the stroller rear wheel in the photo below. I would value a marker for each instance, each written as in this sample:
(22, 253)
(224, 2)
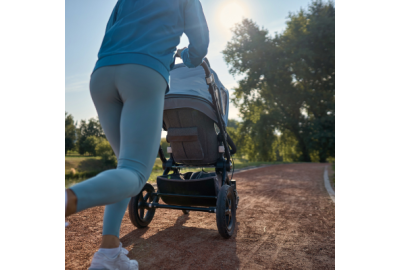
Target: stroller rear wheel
(226, 211)
(139, 212)
(186, 212)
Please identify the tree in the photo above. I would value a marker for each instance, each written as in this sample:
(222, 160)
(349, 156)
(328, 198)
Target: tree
(164, 145)
(89, 145)
(286, 148)
(240, 140)
(70, 132)
(103, 149)
(91, 128)
(289, 83)
(233, 123)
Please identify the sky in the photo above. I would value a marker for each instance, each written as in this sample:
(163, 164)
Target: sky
(85, 22)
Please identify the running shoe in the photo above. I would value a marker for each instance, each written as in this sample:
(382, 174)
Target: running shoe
(101, 261)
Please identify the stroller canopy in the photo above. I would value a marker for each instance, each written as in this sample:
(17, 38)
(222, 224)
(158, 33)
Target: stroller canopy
(190, 82)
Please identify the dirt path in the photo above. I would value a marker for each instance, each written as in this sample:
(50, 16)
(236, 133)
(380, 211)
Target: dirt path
(285, 220)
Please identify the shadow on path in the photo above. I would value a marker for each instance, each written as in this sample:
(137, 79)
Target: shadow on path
(182, 247)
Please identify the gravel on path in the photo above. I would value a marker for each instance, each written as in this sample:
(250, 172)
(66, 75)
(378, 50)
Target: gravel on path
(285, 220)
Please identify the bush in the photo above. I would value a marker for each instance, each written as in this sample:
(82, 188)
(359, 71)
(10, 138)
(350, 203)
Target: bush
(89, 145)
(103, 149)
(86, 130)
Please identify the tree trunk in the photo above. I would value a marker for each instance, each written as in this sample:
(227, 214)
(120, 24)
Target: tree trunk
(305, 154)
(322, 153)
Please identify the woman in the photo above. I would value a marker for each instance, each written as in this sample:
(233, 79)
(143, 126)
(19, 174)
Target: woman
(128, 85)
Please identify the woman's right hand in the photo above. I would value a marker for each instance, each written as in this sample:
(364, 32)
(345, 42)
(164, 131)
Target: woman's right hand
(179, 51)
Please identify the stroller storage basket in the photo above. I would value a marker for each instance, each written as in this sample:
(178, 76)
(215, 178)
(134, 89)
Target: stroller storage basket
(177, 184)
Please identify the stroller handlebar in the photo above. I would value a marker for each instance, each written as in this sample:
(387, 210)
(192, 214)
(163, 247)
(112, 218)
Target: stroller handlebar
(206, 69)
(209, 76)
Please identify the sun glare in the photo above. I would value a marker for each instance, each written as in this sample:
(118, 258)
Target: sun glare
(231, 13)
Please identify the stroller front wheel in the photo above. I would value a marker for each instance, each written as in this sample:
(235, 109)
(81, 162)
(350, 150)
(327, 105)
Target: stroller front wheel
(226, 211)
(139, 212)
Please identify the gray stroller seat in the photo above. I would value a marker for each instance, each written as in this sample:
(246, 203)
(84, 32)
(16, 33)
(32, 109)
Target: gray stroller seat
(191, 132)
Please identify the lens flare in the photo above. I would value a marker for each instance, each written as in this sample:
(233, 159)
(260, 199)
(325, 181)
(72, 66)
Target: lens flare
(231, 14)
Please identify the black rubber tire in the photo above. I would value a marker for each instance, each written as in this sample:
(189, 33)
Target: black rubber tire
(233, 182)
(186, 212)
(141, 220)
(226, 211)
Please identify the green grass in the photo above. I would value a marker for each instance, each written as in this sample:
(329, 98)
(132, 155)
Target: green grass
(239, 164)
(242, 163)
(78, 156)
(87, 167)
(83, 164)
(72, 179)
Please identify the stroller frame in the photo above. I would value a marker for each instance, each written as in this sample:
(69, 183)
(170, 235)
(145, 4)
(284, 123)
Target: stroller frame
(222, 166)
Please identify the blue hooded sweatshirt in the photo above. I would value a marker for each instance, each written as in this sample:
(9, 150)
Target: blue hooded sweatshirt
(147, 32)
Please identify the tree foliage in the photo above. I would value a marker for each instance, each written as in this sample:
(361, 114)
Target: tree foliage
(289, 85)
(90, 139)
(164, 144)
(103, 149)
(233, 123)
(89, 145)
(93, 129)
(70, 132)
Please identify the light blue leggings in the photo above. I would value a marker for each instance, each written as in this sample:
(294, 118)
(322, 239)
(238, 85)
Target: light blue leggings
(129, 100)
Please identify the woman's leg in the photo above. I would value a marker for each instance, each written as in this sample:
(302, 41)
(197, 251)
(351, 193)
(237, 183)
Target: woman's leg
(140, 135)
(109, 107)
(141, 91)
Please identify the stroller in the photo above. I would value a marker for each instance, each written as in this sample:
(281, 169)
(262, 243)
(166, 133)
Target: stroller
(195, 118)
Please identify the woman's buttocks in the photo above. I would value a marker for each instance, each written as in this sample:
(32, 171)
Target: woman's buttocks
(129, 76)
